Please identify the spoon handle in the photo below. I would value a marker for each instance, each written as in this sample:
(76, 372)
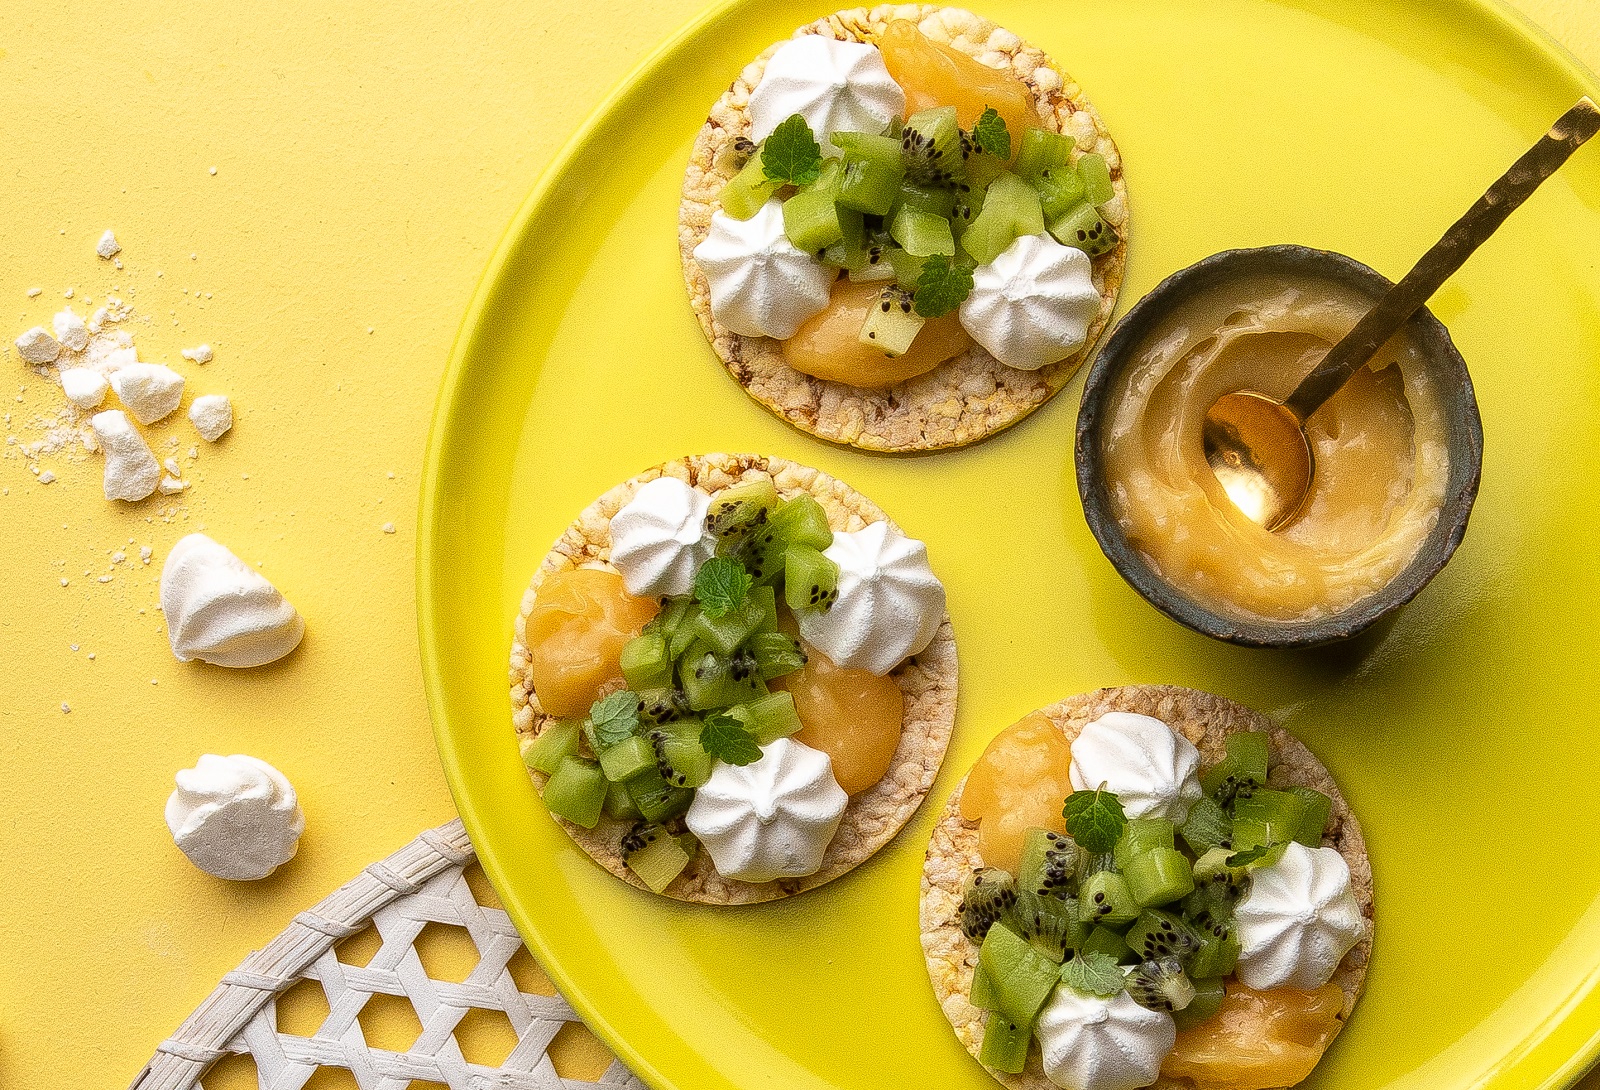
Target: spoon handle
(1447, 255)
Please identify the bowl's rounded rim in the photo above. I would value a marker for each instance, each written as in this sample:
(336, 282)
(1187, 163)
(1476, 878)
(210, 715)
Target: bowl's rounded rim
(1465, 440)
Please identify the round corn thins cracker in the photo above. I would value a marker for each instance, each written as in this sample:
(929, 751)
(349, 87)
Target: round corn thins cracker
(969, 396)
(927, 681)
(1205, 720)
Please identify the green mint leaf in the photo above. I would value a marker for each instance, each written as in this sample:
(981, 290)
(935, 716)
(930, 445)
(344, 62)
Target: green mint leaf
(791, 154)
(615, 717)
(991, 135)
(941, 287)
(1094, 818)
(726, 739)
(1094, 973)
(721, 585)
(1253, 855)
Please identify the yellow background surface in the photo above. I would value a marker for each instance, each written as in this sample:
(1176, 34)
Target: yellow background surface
(366, 160)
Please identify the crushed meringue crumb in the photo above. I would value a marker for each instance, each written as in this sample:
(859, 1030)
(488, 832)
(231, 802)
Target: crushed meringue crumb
(388, 527)
(108, 247)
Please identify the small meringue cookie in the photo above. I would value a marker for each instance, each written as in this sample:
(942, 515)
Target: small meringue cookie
(772, 818)
(84, 388)
(659, 538)
(1152, 769)
(1032, 305)
(761, 284)
(149, 390)
(211, 415)
(132, 471)
(1089, 1043)
(235, 817)
(221, 611)
(38, 347)
(836, 86)
(889, 606)
(1298, 920)
(70, 330)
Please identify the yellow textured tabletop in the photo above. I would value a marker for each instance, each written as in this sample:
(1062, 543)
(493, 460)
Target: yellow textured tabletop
(312, 190)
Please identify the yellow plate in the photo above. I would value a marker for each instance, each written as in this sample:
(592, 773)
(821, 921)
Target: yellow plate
(1465, 734)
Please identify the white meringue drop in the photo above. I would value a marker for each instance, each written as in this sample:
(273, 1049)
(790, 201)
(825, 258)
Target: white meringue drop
(1152, 769)
(1298, 921)
(836, 86)
(659, 538)
(772, 818)
(889, 605)
(761, 284)
(221, 611)
(1089, 1043)
(149, 390)
(235, 817)
(131, 471)
(1032, 305)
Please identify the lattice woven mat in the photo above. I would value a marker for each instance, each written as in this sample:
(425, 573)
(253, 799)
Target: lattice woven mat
(424, 883)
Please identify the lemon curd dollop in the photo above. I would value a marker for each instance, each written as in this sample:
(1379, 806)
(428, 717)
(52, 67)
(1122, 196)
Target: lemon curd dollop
(575, 634)
(1258, 1040)
(1379, 445)
(1018, 784)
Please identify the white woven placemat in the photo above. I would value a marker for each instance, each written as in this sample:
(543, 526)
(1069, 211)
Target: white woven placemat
(423, 883)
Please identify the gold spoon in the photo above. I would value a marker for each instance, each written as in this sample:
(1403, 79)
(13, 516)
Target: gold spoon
(1257, 445)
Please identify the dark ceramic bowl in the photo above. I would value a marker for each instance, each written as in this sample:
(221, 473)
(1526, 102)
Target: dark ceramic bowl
(1464, 441)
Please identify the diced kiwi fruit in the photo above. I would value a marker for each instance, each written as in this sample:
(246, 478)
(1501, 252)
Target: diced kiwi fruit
(907, 268)
(775, 654)
(1160, 985)
(1096, 178)
(1211, 871)
(810, 217)
(1207, 826)
(653, 854)
(682, 636)
(1159, 876)
(872, 171)
(711, 680)
(1209, 911)
(1158, 934)
(1104, 897)
(850, 252)
(802, 521)
(673, 612)
(619, 804)
(985, 897)
(1141, 835)
(1059, 192)
(724, 634)
(556, 742)
(627, 759)
(938, 202)
(768, 718)
(1103, 940)
(1041, 150)
(892, 323)
(1315, 811)
(1208, 995)
(662, 705)
(1022, 977)
(1218, 955)
(810, 580)
(922, 234)
(1005, 1044)
(930, 146)
(1084, 228)
(645, 662)
(1240, 772)
(1010, 210)
(981, 994)
(677, 755)
(1051, 924)
(1267, 817)
(657, 799)
(749, 189)
(1050, 863)
(576, 791)
(739, 509)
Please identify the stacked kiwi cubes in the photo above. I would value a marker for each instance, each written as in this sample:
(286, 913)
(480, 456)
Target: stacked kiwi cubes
(919, 207)
(697, 682)
(1157, 901)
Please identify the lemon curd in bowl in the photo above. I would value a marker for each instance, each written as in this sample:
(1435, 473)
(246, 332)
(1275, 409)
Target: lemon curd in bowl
(1397, 451)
